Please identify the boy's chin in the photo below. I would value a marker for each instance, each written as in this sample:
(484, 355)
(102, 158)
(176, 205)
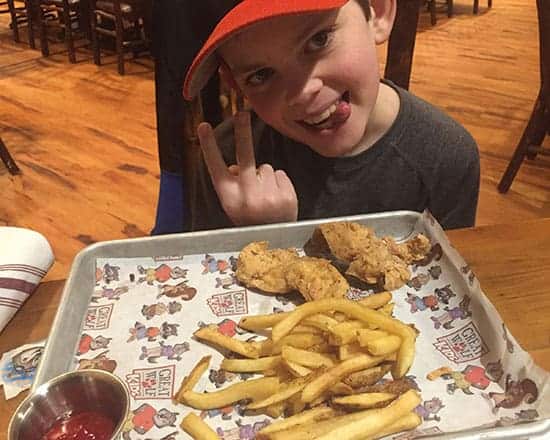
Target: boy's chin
(335, 150)
(345, 141)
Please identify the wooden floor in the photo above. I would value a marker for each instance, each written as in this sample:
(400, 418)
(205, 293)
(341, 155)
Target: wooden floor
(85, 137)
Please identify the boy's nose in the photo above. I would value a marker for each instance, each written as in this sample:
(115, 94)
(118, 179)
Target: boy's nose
(302, 93)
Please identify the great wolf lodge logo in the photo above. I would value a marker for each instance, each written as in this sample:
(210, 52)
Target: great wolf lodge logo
(98, 317)
(463, 345)
(228, 303)
(151, 383)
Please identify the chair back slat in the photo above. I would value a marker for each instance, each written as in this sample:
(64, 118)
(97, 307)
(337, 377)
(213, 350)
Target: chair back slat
(543, 9)
(401, 44)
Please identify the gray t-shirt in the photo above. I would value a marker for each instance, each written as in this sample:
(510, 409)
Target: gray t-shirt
(425, 160)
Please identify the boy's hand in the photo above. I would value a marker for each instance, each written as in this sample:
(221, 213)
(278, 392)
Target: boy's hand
(248, 195)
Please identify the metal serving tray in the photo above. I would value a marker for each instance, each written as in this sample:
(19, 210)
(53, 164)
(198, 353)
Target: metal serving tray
(67, 326)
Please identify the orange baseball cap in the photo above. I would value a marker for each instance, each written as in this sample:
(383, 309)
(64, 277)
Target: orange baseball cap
(238, 18)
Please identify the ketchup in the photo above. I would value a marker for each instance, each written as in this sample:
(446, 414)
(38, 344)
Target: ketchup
(89, 425)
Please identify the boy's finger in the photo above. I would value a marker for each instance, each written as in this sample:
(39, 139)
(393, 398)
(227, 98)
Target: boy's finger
(244, 146)
(233, 170)
(212, 155)
(284, 183)
(266, 174)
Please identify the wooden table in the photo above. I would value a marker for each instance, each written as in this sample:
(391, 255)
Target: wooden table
(512, 263)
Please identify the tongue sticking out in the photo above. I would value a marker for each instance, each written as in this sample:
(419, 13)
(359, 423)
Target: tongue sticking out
(343, 110)
(340, 115)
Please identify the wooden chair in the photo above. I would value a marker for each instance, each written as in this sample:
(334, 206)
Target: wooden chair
(400, 52)
(70, 17)
(7, 159)
(21, 13)
(538, 125)
(433, 6)
(124, 22)
(476, 5)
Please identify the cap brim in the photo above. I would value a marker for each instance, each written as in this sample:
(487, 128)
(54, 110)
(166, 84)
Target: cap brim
(246, 13)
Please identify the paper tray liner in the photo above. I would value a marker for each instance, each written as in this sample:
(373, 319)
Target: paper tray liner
(471, 372)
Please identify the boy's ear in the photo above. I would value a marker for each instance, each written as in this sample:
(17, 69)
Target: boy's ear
(383, 16)
(227, 76)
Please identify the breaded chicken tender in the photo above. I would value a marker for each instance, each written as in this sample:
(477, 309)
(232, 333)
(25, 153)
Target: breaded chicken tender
(377, 265)
(412, 250)
(316, 278)
(345, 240)
(265, 269)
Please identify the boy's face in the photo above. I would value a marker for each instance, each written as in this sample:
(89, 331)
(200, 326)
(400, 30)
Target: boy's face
(314, 78)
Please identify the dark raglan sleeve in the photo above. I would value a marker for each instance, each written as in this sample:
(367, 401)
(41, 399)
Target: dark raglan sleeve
(445, 157)
(454, 196)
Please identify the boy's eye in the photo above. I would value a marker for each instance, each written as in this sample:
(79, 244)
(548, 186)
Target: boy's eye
(319, 40)
(259, 77)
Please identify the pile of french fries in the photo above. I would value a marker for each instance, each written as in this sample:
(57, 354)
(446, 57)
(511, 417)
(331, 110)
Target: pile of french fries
(319, 367)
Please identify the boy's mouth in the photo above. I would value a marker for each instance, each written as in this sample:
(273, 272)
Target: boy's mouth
(332, 116)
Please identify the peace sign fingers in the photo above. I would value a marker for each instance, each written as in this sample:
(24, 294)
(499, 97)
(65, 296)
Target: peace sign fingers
(212, 156)
(248, 195)
(244, 148)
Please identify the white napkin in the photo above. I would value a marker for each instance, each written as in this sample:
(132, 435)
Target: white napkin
(25, 257)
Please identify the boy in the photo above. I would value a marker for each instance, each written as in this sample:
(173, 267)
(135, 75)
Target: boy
(329, 137)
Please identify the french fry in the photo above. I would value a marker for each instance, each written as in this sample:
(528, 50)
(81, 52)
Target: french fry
(324, 428)
(276, 410)
(313, 429)
(344, 332)
(383, 346)
(298, 370)
(368, 376)
(347, 351)
(260, 322)
(433, 375)
(193, 425)
(296, 340)
(341, 389)
(376, 300)
(364, 400)
(303, 328)
(281, 372)
(306, 358)
(211, 334)
(250, 365)
(372, 424)
(323, 348)
(387, 309)
(335, 374)
(320, 321)
(364, 336)
(266, 347)
(405, 355)
(409, 421)
(313, 415)
(286, 391)
(397, 386)
(295, 369)
(193, 377)
(325, 397)
(294, 405)
(329, 350)
(250, 389)
(340, 317)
